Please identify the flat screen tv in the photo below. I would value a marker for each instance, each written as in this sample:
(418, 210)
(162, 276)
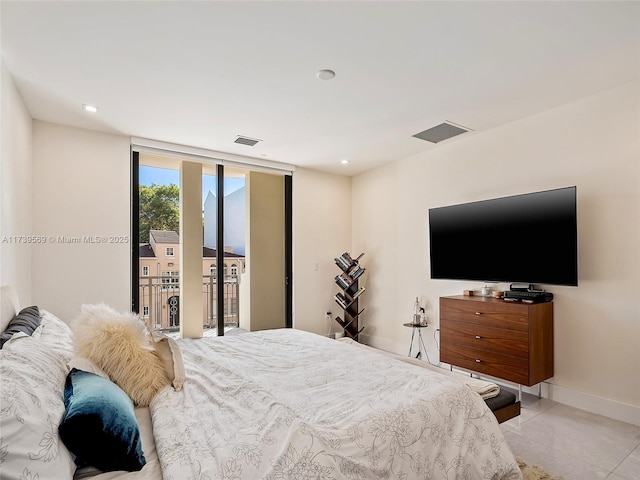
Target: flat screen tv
(530, 238)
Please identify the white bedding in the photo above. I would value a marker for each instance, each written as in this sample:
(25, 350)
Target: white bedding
(270, 405)
(288, 404)
(481, 387)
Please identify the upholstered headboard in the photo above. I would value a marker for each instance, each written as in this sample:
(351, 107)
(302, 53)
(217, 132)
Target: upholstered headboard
(9, 305)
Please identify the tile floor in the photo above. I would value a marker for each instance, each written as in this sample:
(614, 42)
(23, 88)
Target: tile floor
(574, 443)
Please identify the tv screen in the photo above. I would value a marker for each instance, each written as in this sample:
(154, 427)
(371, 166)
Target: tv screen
(530, 238)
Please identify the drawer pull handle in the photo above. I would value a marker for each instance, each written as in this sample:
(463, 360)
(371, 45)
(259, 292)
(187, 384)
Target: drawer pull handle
(478, 360)
(478, 313)
(478, 337)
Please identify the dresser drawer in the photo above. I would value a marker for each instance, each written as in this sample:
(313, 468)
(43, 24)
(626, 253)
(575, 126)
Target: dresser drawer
(486, 313)
(508, 342)
(514, 369)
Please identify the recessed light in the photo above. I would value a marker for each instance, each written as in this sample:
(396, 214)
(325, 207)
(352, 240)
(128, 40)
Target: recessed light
(326, 74)
(90, 108)
(344, 162)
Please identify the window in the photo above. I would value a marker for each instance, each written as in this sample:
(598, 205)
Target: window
(170, 280)
(156, 175)
(145, 310)
(145, 271)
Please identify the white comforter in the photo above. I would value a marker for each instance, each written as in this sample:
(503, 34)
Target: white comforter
(286, 404)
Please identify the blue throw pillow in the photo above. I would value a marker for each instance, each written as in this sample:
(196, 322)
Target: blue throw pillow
(99, 425)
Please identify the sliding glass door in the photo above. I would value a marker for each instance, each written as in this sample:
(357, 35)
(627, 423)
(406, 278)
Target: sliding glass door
(244, 220)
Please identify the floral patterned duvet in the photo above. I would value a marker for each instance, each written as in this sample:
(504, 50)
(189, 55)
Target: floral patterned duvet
(286, 404)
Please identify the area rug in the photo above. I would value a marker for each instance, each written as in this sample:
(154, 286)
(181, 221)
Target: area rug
(533, 472)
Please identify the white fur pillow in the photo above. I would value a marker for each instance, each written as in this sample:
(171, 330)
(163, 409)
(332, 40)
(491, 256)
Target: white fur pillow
(120, 345)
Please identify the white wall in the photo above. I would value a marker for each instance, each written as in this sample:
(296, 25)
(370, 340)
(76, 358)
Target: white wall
(593, 144)
(321, 232)
(16, 189)
(81, 190)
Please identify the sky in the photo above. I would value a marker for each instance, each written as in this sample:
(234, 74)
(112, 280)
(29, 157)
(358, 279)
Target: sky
(165, 176)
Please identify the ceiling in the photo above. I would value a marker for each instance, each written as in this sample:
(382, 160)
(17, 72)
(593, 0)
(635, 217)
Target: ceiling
(202, 73)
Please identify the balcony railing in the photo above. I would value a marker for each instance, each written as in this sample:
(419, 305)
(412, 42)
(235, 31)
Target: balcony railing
(160, 301)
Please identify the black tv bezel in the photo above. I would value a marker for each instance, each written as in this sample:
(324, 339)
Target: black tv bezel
(488, 279)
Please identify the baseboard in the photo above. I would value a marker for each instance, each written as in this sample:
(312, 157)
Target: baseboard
(593, 403)
(568, 396)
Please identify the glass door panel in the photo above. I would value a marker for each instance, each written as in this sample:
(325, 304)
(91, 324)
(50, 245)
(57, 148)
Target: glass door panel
(159, 242)
(233, 266)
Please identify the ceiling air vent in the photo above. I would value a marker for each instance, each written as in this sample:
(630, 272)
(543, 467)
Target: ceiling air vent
(246, 140)
(441, 132)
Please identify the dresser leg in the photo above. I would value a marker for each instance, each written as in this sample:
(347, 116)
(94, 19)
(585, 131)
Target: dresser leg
(519, 392)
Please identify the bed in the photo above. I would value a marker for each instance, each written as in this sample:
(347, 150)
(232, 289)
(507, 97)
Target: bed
(278, 404)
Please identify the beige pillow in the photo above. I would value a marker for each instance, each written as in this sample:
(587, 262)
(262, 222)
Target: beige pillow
(120, 345)
(171, 357)
(86, 365)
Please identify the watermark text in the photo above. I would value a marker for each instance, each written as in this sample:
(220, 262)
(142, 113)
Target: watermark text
(64, 239)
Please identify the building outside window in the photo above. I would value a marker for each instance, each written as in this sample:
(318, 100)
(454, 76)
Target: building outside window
(160, 281)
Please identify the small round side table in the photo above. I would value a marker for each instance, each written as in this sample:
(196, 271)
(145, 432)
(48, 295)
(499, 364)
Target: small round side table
(421, 346)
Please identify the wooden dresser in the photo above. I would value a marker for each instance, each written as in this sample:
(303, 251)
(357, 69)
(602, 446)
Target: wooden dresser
(508, 340)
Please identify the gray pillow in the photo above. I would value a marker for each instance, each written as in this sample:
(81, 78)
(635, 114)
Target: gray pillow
(26, 321)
